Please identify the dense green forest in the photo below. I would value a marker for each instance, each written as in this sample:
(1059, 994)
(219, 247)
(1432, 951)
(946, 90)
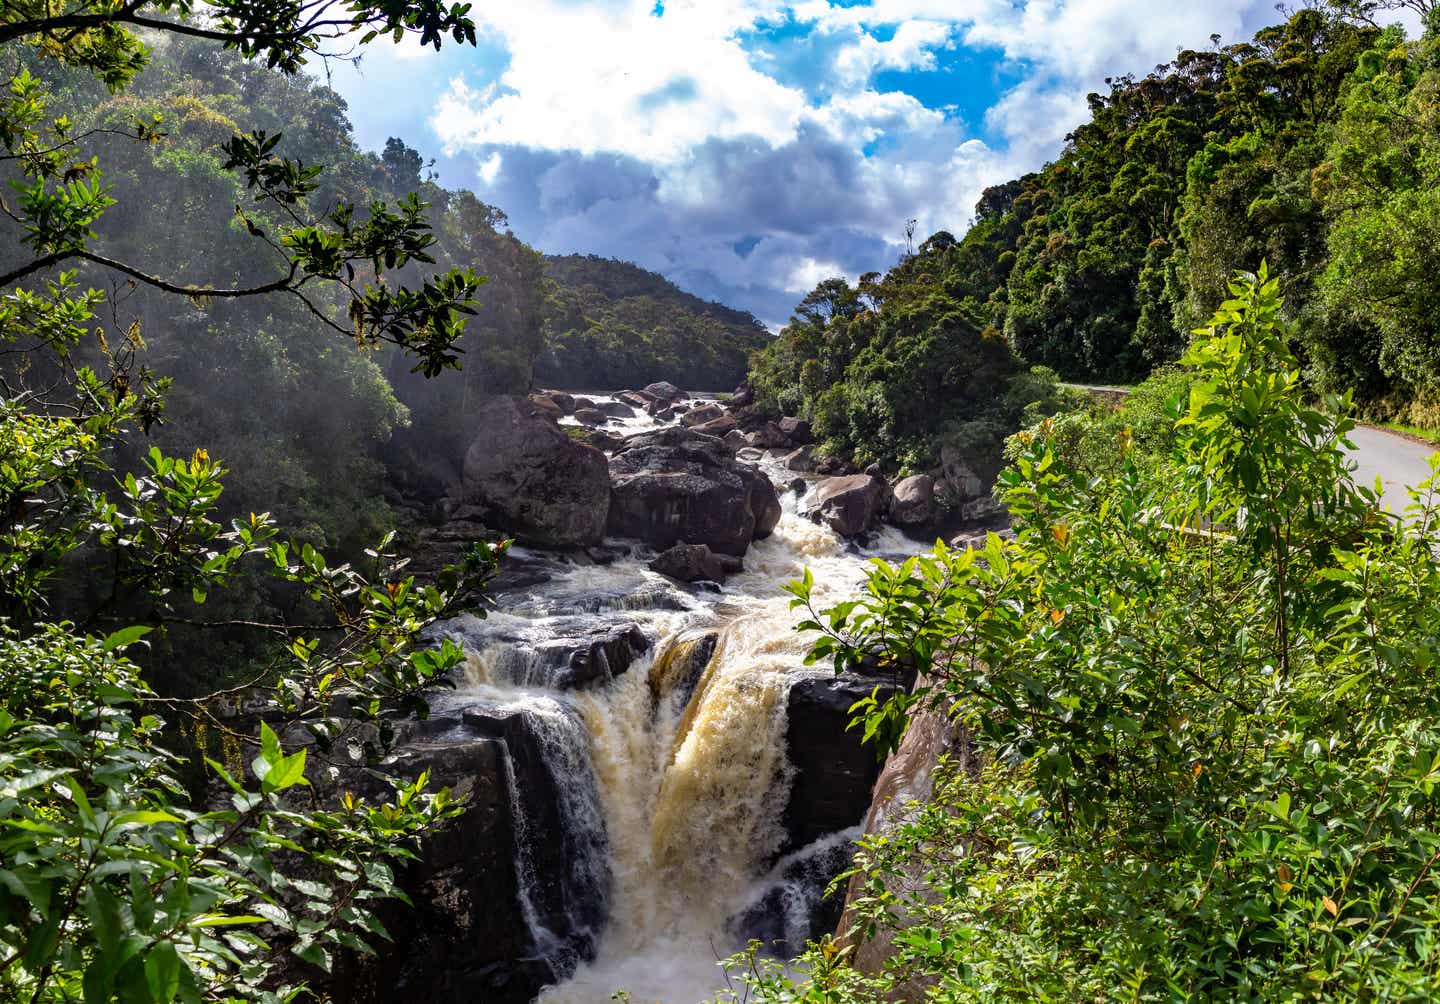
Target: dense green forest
(340, 419)
(610, 324)
(1314, 146)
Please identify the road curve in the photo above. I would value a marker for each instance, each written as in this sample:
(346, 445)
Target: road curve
(1398, 462)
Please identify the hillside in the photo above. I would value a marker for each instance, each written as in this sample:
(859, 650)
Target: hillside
(1312, 147)
(611, 324)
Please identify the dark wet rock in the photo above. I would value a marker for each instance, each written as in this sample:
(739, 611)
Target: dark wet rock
(607, 554)
(568, 878)
(466, 936)
(637, 398)
(583, 402)
(528, 477)
(913, 501)
(606, 654)
(616, 409)
(677, 486)
(835, 467)
(743, 397)
(604, 440)
(848, 505)
(694, 562)
(664, 390)
(791, 907)
(735, 439)
(795, 430)
(591, 416)
(834, 768)
(798, 486)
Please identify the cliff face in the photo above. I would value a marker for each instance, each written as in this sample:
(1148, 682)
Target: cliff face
(905, 781)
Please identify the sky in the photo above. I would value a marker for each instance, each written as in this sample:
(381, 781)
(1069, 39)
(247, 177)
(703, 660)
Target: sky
(748, 149)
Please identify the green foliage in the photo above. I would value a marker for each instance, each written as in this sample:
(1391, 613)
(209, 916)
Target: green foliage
(114, 887)
(900, 368)
(1200, 691)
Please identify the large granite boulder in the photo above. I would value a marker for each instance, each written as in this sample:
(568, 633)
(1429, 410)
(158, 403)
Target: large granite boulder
(591, 417)
(547, 405)
(528, 477)
(963, 483)
(718, 427)
(702, 414)
(796, 430)
(616, 409)
(767, 436)
(913, 501)
(848, 505)
(664, 390)
(676, 486)
(695, 563)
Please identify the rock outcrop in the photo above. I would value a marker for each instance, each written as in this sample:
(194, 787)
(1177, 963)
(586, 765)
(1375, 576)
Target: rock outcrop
(913, 502)
(677, 486)
(526, 476)
(664, 390)
(848, 505)
(834, 769)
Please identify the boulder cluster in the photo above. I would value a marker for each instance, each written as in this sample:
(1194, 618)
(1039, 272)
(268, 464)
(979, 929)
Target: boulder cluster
(558, 470)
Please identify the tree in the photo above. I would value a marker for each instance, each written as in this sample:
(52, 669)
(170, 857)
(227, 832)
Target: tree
(115, 879)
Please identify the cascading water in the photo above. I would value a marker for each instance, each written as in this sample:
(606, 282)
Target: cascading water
(672, 776)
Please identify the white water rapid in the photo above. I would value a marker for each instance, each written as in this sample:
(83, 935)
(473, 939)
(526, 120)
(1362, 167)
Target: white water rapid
(674, 773)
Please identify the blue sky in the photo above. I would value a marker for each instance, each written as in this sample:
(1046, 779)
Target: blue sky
(749, 148)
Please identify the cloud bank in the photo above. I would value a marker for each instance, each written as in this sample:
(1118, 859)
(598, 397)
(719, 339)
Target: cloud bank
(748, 148)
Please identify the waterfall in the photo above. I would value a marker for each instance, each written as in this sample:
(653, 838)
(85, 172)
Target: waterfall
(671, 775)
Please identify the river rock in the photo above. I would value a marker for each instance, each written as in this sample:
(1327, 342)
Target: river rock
(834, 768)
(768, 437)
(834, 467)
(848, 505)
(694, 562)
(743, 397)
(718, 427)
(549, 405)
(566, 402)
(591, 417)
(664, 390)
(962, 483)
(677, 486)
(637, 398)
(701, 414)
(798, 460)
(677, 669)
(616, 409)
(531, 479)
(796, 430)
(913, 501)
(735, 439)
(583, 402)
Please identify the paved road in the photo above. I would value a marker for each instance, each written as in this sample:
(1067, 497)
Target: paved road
(1397, 461)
